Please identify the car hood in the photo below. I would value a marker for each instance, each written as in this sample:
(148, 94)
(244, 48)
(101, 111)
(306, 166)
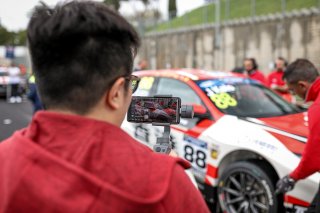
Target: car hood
(290, 130)
(296, 124)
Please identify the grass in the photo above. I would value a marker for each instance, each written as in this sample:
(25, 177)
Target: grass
(237, 9)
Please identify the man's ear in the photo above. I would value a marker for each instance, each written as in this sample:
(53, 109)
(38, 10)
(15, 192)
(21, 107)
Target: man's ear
(115, 94)
(303, 84)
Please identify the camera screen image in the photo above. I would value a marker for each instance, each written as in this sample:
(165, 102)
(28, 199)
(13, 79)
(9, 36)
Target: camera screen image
(154, 110)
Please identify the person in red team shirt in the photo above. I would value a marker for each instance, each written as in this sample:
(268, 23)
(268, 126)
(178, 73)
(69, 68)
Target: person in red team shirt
(251, 67)
(303, 79)
(73, 156)
(276, 82)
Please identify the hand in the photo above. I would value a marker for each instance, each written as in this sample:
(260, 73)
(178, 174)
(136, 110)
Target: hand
(285, 184)
(173, 153)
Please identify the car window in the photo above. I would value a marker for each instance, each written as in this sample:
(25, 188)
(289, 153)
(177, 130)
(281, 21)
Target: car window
(176, 88)
(245, 98)
(145, 86)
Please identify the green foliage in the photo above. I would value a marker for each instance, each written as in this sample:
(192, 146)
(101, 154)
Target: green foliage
(12, 38)
(237, 9)
(5, 36)
(172, 9)
(20, 37)
(116, 3)
(113, 3)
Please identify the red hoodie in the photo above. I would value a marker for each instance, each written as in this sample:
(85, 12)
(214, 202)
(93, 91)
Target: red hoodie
(258, 76)
(310, 161)
(66, 163)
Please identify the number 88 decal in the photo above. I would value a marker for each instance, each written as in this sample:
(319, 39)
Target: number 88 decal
(194, 156)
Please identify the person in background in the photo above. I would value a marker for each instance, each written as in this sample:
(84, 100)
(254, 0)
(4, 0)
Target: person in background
(73, 156)
(14, 84)
(302, 78)
(33, 94)
(142, 65)
(251, 68)
(276, 82)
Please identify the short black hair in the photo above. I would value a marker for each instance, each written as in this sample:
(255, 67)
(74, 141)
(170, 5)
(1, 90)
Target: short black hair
(284, 60)
(78, 49)
(254, 63)
(300, 70)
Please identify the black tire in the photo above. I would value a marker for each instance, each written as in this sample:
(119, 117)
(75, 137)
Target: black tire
(245, 187)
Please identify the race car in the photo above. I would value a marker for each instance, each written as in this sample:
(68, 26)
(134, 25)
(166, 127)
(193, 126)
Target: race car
(242, 139)
(4, 79)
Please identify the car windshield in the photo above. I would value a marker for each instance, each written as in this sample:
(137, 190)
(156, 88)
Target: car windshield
(245, 98)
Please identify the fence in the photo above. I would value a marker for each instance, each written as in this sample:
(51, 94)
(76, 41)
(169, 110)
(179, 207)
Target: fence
(225, 10)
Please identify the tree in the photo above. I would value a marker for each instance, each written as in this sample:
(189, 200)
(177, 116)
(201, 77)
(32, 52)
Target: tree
(115, 4)
(172, 9)
(12, 38)
(5, 36)
(20, 37)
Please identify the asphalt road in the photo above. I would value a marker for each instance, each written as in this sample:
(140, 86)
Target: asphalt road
(13, 117)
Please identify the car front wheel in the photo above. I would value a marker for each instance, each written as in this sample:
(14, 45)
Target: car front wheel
(245, 187)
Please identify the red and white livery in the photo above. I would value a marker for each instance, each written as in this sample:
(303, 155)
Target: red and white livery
(243, 138)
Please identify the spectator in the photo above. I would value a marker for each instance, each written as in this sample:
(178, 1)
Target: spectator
(73, 156)
(303, 79)
(14, 85)
(251, 68)
(33, 94)
(142, 65)
(275, 81)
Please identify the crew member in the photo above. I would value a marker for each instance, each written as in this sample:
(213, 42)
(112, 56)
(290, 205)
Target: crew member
(251, 67)
(303, 79)
(276, 82)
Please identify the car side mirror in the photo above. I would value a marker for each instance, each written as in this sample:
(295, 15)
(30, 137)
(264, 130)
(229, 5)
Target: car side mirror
(200, 111)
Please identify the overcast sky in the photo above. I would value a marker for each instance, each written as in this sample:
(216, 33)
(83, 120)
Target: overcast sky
(13, 13)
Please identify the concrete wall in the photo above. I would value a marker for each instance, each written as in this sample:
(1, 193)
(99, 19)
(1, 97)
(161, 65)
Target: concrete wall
(297, 35)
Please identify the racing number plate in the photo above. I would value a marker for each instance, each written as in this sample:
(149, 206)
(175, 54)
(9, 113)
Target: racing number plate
(196, 152)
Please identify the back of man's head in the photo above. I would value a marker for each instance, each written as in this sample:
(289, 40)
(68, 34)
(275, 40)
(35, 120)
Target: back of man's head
(300, 70)
(78, 49)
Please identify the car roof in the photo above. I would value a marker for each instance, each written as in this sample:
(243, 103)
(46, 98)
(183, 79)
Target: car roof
(193, 74)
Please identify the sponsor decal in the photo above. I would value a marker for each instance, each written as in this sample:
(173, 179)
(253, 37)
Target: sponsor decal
(223, 100)
(265, 145)
(214, 152)
(141, 133)
(219, 93)
(146, 83)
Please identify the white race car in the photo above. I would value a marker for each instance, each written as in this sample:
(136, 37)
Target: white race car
(243, 138)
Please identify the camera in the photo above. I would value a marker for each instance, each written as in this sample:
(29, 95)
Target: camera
(154, 110)
(160, 110)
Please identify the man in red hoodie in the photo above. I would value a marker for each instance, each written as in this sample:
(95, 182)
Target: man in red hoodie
(303, 79)
(73, 157)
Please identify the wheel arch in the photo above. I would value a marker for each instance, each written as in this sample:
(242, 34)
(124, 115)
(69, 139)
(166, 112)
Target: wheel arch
(256, 159)
(249, 156)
